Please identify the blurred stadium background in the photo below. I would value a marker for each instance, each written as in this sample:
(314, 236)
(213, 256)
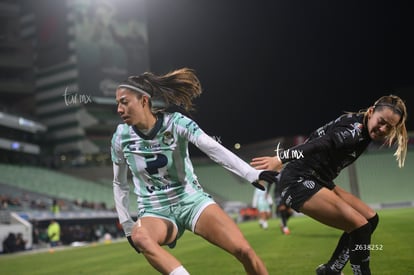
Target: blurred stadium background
(59, 68)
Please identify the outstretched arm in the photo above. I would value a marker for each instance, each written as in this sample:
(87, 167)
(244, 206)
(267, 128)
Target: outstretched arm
(232, 162)
(267, 163)
(297, 152)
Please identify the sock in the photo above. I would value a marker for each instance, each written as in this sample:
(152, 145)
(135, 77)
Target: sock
(359, 253)
(340, 256)
(373, 222)
(179, 271)
(284, 216)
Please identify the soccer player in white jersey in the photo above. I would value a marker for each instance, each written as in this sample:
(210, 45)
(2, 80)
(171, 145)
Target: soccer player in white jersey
(263, 202)
(153, 145)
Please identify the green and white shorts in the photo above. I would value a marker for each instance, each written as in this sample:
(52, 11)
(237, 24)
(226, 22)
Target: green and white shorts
(184, 214)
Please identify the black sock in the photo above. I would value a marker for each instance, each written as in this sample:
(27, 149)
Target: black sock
(359, 252)
(373, 222)
(340, 256)
(284, 216)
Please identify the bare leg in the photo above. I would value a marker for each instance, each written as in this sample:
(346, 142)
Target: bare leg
(148, 234)
(217, 227)
(340, 256)
(355, 202)
(328, 208)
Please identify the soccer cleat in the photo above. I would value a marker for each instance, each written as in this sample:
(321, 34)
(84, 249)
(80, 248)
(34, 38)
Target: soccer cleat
(323, 270)
(285, 230)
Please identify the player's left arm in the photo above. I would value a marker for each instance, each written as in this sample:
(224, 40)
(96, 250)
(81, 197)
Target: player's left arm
(232, 162)
(188, 129)
(297, 152)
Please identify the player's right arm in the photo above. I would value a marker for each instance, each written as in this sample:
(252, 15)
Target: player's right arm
(344, 135)
(120, 182)
(121, 197)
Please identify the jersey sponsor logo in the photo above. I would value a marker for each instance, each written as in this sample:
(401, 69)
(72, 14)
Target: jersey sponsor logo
(154, 162)
(153, 188)
(135, 147)
(309, 184)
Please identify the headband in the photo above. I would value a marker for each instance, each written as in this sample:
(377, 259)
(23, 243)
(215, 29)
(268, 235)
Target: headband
(134, 89)
(393, 107)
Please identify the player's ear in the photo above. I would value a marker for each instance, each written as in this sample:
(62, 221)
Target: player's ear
(145, 100)
(370, 111)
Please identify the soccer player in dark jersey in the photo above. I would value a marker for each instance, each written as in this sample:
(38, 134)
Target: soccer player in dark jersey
(283, 211)
(307, 178)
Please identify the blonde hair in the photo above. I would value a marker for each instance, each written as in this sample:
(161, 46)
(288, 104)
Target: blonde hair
(399, 132)
(178, 87)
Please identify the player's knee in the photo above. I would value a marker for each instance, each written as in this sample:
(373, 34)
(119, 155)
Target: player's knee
(244, 252)
(141, 240)
(357, 221)
(361, 234)
(133, 245)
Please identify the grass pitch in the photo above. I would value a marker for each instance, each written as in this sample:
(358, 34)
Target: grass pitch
(309, 244)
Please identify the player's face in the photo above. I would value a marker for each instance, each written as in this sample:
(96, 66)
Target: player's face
(381, 122)
(130, 107)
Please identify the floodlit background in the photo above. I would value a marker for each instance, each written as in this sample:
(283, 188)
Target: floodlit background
(271, 71)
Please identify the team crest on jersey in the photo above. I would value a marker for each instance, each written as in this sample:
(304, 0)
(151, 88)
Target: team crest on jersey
(168, 138)
(309, 184)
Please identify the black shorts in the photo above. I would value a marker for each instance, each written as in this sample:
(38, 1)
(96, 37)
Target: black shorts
(297, 190)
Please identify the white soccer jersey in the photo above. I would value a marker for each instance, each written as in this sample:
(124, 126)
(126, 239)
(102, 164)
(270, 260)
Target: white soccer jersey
(261, 199)
(160, 164)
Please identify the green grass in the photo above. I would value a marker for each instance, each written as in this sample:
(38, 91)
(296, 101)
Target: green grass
(309, 244)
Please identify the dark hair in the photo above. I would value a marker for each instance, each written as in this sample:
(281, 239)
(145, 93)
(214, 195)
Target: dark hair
(178, 87)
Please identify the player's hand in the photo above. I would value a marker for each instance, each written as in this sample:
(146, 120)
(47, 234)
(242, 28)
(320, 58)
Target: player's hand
(267, 176)
(267, 163)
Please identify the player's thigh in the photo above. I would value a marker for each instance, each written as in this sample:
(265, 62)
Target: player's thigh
(328, 208)
(158, 229)
(355, 202)
(218, 228)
